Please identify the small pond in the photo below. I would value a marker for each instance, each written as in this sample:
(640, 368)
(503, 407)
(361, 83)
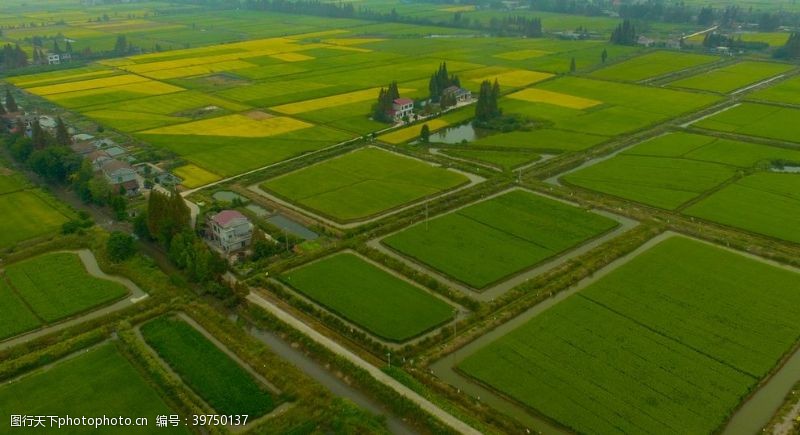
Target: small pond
(227, 196)
(292, 227)
(458, 134)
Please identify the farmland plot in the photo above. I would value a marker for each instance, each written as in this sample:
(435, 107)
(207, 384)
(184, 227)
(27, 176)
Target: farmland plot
(733, 77)
(370, 297)
(645, 347)
(486, 242)
(652, 65)
(363, 183)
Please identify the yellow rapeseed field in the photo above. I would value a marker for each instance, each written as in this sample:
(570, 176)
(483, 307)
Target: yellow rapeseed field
(516, 78)
(197, 70)
(35, 79)
(332, 101)
(467, 8)
(83, 85)
(235, 126)
(291, 57)
(195, 176)
(406, 134)
(558, 99)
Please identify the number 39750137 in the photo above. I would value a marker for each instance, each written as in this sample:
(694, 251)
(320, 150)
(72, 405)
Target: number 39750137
(219, 420)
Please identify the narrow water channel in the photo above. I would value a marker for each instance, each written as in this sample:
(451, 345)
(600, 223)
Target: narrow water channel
(329, 381)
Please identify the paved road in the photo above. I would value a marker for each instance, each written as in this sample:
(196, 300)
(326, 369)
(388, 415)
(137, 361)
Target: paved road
(382, 377)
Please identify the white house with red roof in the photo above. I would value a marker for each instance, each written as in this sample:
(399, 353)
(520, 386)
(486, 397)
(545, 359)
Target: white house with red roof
(402, 107)
(230, 230)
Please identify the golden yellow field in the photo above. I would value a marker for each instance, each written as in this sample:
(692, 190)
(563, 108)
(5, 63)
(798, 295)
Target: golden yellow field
(149, 87)
(332, 101)
(516, 78)
(558, 99)
(291, 57)
(467, 8)
(83, 85)
(195, 176)
(521, 54)
(406, 134)
(197, 70)
(35, 79)
(234, 126)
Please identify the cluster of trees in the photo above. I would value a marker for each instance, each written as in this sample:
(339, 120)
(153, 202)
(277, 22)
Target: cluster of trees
(516, 25)
(168, 221)
(50, 157)
(624, 34)
(122, 47)
(791, 50)
(382, 110)
(13, 57)
(487, 109)
(573, 7)
(441, 80)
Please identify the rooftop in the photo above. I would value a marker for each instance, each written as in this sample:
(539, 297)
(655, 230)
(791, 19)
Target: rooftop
(225, 217)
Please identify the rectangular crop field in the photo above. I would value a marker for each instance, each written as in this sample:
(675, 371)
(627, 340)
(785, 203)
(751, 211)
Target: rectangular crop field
(733, 77)
(363, 183)
(766, 203)
(57, 285)
(28, 214)
(487, 242)
(773, 122)
(669, 170)
(97, 382)
(212, 374)
(370, 297)
(655, 346)
(787, 91)
(652, 65)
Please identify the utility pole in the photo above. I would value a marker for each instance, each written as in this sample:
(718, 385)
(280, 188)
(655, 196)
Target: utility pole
(389, 357)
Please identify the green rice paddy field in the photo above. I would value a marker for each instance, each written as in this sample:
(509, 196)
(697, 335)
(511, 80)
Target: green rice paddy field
(99, 381)
(655, 346)
(772, 122)
(370, 297)
(207, 370)
(652, 65)
(49, 288)
(503, 159)
(27, 212)
(486, 242)
(670, 170)
(732, 77)
(362, 183)
(787, 91)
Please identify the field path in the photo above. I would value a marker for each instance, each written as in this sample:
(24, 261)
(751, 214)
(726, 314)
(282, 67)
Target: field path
(376, 373)
(90, 262)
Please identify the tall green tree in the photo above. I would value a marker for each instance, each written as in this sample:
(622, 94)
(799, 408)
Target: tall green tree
(572, 66)
(624, 34)
(603, 56)
(62, 133)
(487, 108)
(40, 137)
(11, 103)
(425, 134)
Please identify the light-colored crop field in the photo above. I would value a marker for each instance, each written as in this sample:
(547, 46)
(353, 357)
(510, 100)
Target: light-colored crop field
(667, 171)
(83, 85)
(29, 214)
(522, 54)
(56, 286)
(195, 176)
(761, 120)
(99, 381)
(362, 183)
(487, 242)
(649, 345)
(652, 65)
(234, 126)
(534, 95)
(764, 203)
(207, 370)
(733, 77)
(332, 101)
(370, 297)
(406, 134)
(515, 78)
